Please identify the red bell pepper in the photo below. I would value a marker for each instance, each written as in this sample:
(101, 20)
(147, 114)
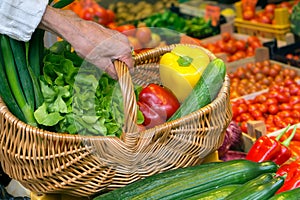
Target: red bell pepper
(157, 103)
(271, 149)
(292, 173)
(285, 152)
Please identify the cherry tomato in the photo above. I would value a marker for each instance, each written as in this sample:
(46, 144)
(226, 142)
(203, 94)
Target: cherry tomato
(88, 13)
(256, 114)
(246, 117)
(240, 45)
(263, 108)
(283, 97)
(261, 98)
(252, 107)
(296, 106)
(289, 120)
(273, 109)
(294, 100)
(295, 114)
(284, 114)
(243, 126)
(271, 101)
(285, 107)
(226, 36)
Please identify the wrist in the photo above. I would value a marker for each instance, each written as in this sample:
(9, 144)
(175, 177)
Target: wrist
(53, 21)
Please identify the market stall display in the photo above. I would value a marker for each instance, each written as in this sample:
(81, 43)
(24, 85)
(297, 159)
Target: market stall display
(203, 101)
(151, 143)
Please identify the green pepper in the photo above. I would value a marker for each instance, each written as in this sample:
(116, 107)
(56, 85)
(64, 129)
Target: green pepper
(181, 69)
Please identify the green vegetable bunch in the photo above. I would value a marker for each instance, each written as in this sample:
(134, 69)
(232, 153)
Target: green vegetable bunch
(295, 19)
(78, 97)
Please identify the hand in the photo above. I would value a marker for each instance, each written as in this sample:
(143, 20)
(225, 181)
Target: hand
(95, 43)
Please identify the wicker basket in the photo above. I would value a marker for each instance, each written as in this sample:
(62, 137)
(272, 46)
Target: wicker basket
(47, 162)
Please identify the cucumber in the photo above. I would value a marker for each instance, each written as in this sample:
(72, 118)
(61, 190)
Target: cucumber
(153, 181)
(293, 194)
(257, 191)
(215, 194)
(262, 179)
(205, 90)
(202, 179)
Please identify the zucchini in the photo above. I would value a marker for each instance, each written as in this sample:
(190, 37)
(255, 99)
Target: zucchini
(215, 194)
(262, 191)
(293, 194)
(262, 179)
(203, 178)
(18, 49)
(153, 181)
(205, 90)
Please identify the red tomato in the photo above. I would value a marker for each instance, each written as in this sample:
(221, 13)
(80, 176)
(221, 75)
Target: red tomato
(266, 19)
(283, 97)
(88, 13)
(296, 136)
(240, 45)
(252, 107)
(296, 106)
(295, 148)
(112, 25)
(244, 107)
(271, 101)
(101, 15)
(270, 7)
(261, 98)
(243, 126)
(256, 114)
(127, 29)
(289, 120)
(248, 13)
(256, 44)
(294, 100)
(273, 109)
(285, 107)
(226, 36)
(295, 114)
(246, 117)
(110, 15)
(284, 114)
(263, 108)
(252, 39)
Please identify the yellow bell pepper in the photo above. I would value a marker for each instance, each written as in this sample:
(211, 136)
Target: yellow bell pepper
(181, 69)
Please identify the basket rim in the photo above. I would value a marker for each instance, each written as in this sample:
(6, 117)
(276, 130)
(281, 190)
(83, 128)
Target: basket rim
(76, 137)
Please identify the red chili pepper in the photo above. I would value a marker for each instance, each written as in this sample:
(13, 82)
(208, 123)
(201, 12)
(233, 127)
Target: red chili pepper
(270, 149)
(292, 173)
(157, 103)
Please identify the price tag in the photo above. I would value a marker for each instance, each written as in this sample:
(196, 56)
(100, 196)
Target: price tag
(212, 13)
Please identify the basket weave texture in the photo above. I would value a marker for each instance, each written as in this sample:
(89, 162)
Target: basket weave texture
(48, 162)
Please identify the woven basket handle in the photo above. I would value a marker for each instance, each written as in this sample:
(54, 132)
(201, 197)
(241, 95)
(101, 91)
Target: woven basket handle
(129, 99)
